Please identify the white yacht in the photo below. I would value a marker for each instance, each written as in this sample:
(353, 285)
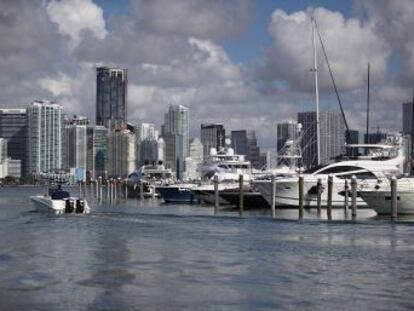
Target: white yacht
(151, 176)
(60, 202)
(225, 161)
(378, 197)
(367, 162)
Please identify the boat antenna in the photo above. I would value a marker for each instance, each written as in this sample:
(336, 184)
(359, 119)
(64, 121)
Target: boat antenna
(367, 140)
(315, 71)
(333, 81)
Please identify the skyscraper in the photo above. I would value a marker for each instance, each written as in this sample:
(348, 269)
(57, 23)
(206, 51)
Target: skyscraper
(111, 97)
(176, 136)
(286, 131)
(121, 153)
(408, 121)
(45, 133)
(77, 146)
(245, 142)
(147, 144)
(332, 136)
(13, 128)
(97, 154)
(212, 136)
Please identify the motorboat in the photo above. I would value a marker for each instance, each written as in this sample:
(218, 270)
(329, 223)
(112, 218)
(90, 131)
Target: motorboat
(178, 193)
(148, 177)
(367, 162)
(378, 197)
(60, 204)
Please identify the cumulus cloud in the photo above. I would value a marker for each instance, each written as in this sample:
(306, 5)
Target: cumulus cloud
(172, 52)
(76, 16)
(350, 45)
(199, 18)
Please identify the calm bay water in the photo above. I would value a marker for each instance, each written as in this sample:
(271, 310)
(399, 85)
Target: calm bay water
(146, 256)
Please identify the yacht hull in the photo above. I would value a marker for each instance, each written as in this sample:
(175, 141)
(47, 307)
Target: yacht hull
(177, 194)
(380, 201)
(287, 193)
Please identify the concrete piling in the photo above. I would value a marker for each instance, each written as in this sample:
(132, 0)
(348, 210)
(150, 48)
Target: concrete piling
(241, 195)
(273, 198)
(354, 196)
(329, 203)
(301, 196)
(394, 198)
(216, 194)
(319, 196)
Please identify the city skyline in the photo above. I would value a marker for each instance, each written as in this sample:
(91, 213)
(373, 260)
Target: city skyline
(228, 63)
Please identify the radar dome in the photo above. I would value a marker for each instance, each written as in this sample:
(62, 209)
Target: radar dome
(213, 151)
(228, 141)
(230, 151)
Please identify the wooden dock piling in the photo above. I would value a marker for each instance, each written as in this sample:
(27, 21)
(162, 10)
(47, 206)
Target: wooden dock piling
(100, 188)
(216, 194)
(329, 203)
(354, 196)
(346, 199)
(273, 198)
(301, 196)
(141, 189)
(126, 189)
(394, 198)
(241, 195)
(319, 196)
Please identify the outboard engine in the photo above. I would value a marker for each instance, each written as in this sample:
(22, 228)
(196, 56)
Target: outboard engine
(80, 206)
(69, 206)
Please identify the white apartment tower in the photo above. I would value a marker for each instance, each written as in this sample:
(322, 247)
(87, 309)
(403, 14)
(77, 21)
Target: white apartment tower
(45, 137)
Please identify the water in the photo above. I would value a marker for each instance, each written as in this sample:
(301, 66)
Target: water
(142, 257)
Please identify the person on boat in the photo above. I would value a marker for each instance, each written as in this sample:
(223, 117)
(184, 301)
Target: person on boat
(59, 194)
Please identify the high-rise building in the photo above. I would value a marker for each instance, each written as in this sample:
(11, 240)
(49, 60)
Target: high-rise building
(376, 137)
(196, 150)
(352, 137)
(145, 131)
(97, 152)
(111, 97)
(152, 151)
(332, 136)
(13, 128)
(193, 162)
(147, 152)
(45, 137)
(286, 131)
(176, 136)
(408, 120)
(245, 142)
(76, 146)
(121, 153)
(79, 120)
(212, 136)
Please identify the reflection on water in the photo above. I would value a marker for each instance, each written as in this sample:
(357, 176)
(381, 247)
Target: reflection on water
(147, 256)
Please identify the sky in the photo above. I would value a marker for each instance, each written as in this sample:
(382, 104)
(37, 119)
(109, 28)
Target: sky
(244, 63)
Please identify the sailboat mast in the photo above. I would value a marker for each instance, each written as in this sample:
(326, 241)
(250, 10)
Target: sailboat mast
(315, 70)
(367, 140)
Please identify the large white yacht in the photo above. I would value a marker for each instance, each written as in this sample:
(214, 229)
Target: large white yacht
(225, 161)
(378, 197)
(367, 162)
(150, 176)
